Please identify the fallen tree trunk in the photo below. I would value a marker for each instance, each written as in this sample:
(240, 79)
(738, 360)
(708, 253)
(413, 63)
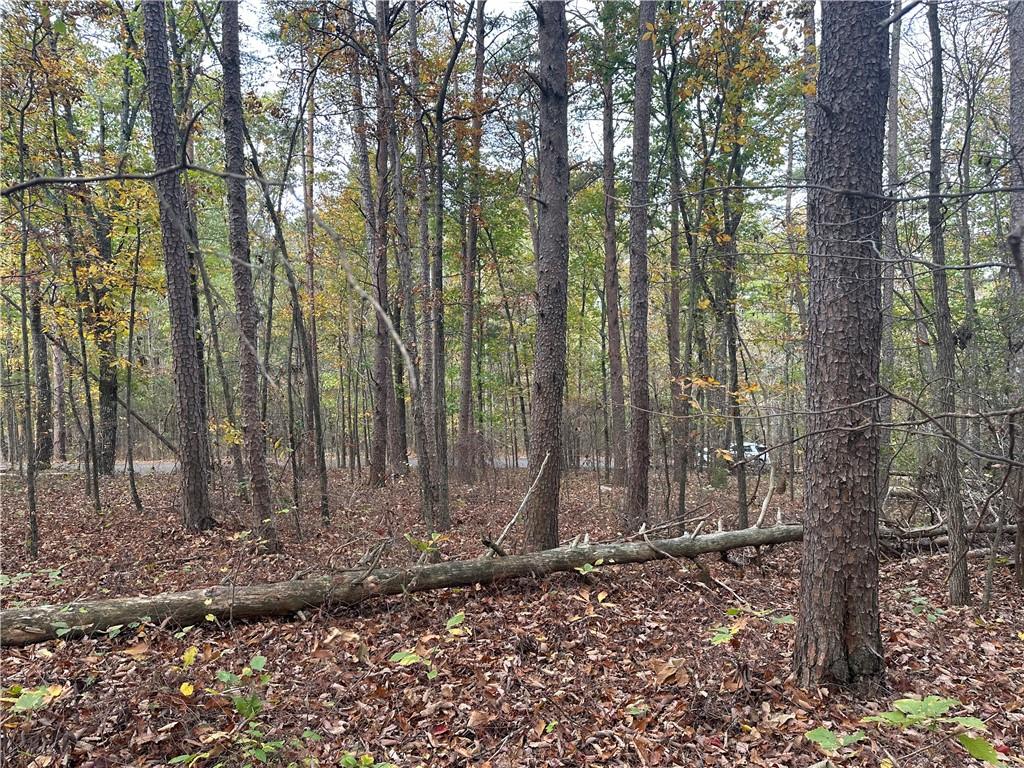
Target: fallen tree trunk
(23, 626)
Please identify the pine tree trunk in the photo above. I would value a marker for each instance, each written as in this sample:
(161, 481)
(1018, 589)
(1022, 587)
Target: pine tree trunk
(193, 446)
(838, 637)
(638, 461)
(545, 454)
(241, 277)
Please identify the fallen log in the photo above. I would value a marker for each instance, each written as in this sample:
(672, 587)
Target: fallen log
(24, 626)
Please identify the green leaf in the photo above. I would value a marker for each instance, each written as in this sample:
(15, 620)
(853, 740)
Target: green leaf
(887, 718)
(455, 620)
(970, 722)
(824, 738)
(258, 663)
(406, 658)
(979, 749)
(30, 700)
(852, 738)
(787, 619)
(931, 706)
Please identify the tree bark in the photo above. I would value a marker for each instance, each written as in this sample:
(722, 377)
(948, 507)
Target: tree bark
(945, 353)
(466, 449)
(638, 460)
(891, 252)
(611, 261)
(410, 337)
(193, 445)
(552, 280)
(41, 367)
(838, 637)
(1016, 48)
(24, 626)
(241, 277)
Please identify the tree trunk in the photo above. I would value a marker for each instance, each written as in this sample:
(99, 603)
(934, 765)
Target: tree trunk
(838, 638)
(41, 367)
(552, 280)
(1016, 48)
(413, 367)
(467, 450)
(890, 245)
(24, 626)
(945, 353)
(241, 277)
(611, 261)
(638, 461)
(193, 446)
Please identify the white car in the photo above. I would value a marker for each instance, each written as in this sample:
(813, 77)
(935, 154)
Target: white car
(755, 456)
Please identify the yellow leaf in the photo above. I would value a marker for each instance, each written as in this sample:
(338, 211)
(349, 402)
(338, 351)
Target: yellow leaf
(188, 658)
(187, 689)
(210, 617)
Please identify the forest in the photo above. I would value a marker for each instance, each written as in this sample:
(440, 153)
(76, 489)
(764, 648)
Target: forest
(512, 383)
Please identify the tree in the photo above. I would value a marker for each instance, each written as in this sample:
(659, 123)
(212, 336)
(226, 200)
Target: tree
(41, 366)
(611, 261)
(945, 352)
(469, 266)
(838, 638)
(545, 454)
(638, 461)
(193, 445)
(1016, 45)
(241, 277)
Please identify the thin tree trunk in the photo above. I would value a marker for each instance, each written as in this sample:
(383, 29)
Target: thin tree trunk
(891, 253)
(638, 462)
(611, 262)
(1016, 47)
(949, 464)
(466, 448)
(41, 368)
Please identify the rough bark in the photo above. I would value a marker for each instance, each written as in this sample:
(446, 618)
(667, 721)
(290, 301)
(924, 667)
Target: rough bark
(193, 445)
(638, 443)
(241, 277)
(945, 354)
(24, 626)
(552, 279)
(838, 638)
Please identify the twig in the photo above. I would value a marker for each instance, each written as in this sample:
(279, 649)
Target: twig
(522, 505)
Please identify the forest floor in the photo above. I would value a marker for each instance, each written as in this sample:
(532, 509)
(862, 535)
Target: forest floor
(643, 665)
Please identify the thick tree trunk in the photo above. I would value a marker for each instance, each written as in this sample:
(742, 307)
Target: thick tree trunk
(193, 446)
(949, 464)
(638, 461)
(23, 626)
(838, 637)
(552, 280)
(611, 261)
(241, 277)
